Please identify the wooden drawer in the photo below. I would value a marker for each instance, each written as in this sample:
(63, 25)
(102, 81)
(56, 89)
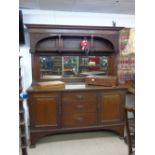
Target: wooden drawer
(78, 107)
(78, 120)
(79, 97)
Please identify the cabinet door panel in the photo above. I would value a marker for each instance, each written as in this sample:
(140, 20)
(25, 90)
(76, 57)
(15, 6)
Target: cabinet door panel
(44, 111)
(111, 107)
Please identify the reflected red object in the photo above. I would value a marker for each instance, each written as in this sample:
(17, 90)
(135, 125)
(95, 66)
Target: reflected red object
(97, 61)
(84, 44)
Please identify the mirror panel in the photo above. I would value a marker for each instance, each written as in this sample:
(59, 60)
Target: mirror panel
(56, 67)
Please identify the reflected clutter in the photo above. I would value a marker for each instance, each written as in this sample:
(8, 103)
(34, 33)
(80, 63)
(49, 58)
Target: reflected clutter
(56, 67)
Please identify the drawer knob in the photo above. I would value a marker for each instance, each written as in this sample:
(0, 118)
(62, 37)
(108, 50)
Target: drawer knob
(79, 97)
(79, 107)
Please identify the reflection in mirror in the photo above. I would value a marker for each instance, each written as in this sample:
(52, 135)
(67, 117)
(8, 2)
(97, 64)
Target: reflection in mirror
(50, 67)
(54, 67)
(71, 65)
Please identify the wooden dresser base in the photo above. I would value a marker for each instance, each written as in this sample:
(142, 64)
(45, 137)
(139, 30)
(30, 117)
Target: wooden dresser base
(36, 135)
(68, 111)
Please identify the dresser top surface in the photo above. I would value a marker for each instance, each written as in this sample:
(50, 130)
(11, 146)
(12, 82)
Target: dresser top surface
(77, 87)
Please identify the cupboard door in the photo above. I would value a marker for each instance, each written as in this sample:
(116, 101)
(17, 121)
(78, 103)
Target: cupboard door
(44, 111)
(111, 107)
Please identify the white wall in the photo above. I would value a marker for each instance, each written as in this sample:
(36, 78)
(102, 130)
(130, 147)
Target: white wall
(66, 18)
(26, 63)
(77, 18)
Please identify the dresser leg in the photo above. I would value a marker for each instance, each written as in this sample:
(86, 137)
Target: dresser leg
(121, 132)
(35, 137)
(33, 140)
(32, 143)
(117, 129)
(32, 146)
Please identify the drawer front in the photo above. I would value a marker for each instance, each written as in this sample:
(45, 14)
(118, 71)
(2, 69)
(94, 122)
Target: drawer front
(79, 97)
(78, 107)
(79, 120)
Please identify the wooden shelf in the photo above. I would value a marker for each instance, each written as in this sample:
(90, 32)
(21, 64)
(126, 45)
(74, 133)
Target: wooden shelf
(58, 39)
(47, 50)
(72, 50)
(103, 50)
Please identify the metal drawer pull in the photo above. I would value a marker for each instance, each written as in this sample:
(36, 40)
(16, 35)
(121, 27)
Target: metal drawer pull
(79, 107)
(79, 97)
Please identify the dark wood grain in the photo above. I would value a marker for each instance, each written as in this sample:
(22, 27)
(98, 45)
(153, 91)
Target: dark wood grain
(54, 110)
(67, 110)
(57, 40)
